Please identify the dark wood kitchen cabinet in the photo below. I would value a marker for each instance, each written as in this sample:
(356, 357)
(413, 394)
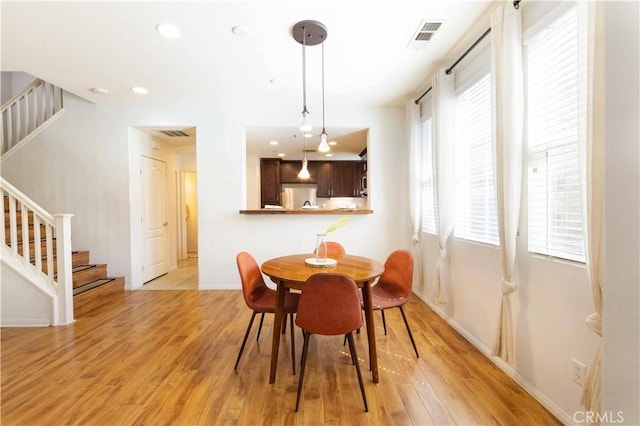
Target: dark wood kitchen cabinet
(269, 181)
(289, 172)
(339, 179)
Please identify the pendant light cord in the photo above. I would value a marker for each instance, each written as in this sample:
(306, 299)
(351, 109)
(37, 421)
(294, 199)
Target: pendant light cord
(323, 130)
(304, 70)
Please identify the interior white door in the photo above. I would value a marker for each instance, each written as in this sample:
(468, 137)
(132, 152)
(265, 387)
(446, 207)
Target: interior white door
(154, 218)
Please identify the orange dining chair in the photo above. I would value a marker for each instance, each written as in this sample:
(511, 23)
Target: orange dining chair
(330, 306)
(261, 299)
(394, 287)
(333, 248)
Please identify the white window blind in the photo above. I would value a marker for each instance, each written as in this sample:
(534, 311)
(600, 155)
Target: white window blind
(429, 223)
(476, 217)
(554, 197)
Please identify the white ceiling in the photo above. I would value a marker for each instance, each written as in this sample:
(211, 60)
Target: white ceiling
(350, 142)
(114, 45)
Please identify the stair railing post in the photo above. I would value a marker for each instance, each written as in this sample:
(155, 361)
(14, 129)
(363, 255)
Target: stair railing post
(65, 275)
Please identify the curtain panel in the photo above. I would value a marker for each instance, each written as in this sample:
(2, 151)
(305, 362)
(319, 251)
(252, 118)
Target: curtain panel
(508, 107)
(590, 16)
(443, 110)
(415, 184)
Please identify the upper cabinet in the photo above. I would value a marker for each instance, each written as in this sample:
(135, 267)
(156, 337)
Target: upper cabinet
(333, 178)
(339, 179)
(289, 172)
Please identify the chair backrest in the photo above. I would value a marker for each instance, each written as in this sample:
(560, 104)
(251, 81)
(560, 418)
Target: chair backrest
(329, 305)
(252, 282)
(333, 248)
(398, 273)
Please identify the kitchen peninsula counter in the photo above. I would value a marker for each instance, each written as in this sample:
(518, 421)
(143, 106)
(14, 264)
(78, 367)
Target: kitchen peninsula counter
(307, 211)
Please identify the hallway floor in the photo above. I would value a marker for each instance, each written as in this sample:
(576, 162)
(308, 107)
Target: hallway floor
(183, 278)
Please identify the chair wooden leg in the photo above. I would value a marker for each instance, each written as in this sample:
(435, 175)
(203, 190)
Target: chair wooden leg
(409, 331)
(354, 356)
(293, 345)
(305, 346)
(384, 322)
(260, 326)
(244, 341)
(284, 324)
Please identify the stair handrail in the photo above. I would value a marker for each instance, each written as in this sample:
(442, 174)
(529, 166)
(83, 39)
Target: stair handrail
(35, 83)
(27, 113)
(28, 202)
(58, 285)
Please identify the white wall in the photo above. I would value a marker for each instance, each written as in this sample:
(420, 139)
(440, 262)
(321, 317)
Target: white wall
(622, 212)
(81, 165)
(549, 308)
(22, 304)
(223, 232)
(13, 83)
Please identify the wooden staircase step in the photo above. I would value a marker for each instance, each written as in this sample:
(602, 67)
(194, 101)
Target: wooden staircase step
(85, 274)
(80, 257)
(77, 258)
(7, 233)
(32, 249)
(7, 218)
(95, 294)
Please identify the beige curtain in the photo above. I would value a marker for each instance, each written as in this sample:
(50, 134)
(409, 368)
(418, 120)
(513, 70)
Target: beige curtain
(443, 110)
(415, 184)
(594, 192)
(508, 106)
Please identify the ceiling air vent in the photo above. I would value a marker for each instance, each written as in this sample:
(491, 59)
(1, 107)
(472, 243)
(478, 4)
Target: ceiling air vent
(423, 34)
(174, 133)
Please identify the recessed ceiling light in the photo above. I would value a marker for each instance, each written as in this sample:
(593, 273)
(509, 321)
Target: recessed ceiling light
(307, 135)
(139, 90)
(332, 143)
(281, 154)
(169, 30)
(273, 143)
(328, 155)
(240, 31)
(100, 90)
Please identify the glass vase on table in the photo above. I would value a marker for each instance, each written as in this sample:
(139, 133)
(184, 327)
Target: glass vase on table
(321, 249)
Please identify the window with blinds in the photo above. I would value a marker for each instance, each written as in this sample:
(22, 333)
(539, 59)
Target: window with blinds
(554, 190)
(476, 217)
(429, 209)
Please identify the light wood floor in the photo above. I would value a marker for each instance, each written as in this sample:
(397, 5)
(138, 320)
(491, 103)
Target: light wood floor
(166, 357)
(185, 277)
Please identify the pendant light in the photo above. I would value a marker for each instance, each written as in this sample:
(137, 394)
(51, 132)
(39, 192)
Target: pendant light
(304, 172)
(324, 146)
(308, 33)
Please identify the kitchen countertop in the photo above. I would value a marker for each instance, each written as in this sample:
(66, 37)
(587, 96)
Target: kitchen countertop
(307, 211)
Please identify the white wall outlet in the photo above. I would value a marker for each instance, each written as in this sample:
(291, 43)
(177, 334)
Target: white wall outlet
(578, 371)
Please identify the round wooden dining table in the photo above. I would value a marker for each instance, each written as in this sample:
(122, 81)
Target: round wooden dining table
(291, 272)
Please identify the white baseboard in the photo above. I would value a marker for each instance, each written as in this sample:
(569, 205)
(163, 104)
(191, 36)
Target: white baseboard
(25, 322)
(506, 368)
(219, 287)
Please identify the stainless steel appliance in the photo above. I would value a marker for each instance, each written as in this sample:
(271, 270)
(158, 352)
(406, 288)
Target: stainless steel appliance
(295, 196)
